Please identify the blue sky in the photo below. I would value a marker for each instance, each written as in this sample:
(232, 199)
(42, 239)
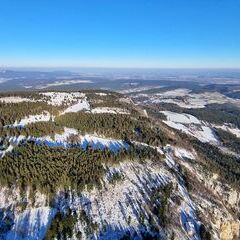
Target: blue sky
(120, 33)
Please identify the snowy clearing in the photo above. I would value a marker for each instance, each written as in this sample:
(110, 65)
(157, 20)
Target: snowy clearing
(202, 133)
(60, 98)
(181, 117)
(44, 117)
(190, 125)
(109, 110)
(82, 104)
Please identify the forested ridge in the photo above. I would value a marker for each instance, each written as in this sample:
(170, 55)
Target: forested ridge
(51, 168)
(38, 129)
(229, 140)
(11, 112)
(213, 113)
(118, 126)
(226, 166)
(135, 182)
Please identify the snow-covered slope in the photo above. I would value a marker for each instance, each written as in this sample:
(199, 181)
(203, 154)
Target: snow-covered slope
(44, 117)
(169, 196)
(190, 125)
(81, 105)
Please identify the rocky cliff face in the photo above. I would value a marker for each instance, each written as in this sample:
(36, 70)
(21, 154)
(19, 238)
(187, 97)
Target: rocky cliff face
(230, 230)
(216, 202)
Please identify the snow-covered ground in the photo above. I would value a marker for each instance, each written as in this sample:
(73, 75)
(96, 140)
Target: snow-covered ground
(227, 127)
(181, 117)
(44, 117)
(109, 207)
(62, 140)
(2, 80)
(190, 125)
(15, 99)
(182, 153)
(116, 208)
(61, 83)
(187, 211)
(180, 92)
(112, 206)
(109, 110)
(12, 141)
(59, 98)
(101, 94)
(82, 104)
(31, 224)
(185, 99)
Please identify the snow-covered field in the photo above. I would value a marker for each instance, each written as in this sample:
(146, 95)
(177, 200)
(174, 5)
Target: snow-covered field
(190, 125)
(62, 83)
(59, 98)
(185, 99)
(109, 207)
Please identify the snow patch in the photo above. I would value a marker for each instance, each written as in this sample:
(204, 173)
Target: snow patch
(61, 140)
(109, 110)
(183, 153)
(101, 94)
(44, 117)
(31, 224)
(82, 104)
